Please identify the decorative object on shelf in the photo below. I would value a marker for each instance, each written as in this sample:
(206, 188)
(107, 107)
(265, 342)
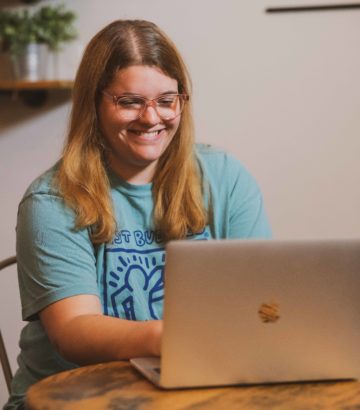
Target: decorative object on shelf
(31, 63)
(28, 36)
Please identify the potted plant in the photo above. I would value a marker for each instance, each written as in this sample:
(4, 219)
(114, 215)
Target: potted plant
(27, 36)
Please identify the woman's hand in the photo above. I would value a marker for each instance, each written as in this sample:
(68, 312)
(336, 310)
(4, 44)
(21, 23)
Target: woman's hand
(157, 336)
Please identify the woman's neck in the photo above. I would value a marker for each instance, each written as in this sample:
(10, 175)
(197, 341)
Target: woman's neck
(136, 175)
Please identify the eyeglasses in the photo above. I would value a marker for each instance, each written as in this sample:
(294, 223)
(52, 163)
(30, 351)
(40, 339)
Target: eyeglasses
(132, 107)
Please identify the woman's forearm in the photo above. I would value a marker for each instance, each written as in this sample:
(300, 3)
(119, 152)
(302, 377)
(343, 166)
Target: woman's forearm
(94, 338)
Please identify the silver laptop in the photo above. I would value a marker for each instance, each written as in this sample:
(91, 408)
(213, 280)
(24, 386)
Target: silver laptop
(249, 311)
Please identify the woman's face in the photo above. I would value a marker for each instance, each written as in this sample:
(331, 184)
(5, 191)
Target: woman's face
(137, 145)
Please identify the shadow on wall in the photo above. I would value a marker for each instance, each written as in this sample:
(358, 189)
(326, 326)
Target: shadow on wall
(14, 110)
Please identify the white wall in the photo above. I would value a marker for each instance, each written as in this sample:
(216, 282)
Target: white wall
(279, 91)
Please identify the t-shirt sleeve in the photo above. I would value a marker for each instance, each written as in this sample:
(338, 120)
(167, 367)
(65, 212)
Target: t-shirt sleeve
(55, 261)
(247, 215)
(234, 198)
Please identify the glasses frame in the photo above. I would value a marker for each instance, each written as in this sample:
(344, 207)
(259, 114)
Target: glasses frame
(148, 103)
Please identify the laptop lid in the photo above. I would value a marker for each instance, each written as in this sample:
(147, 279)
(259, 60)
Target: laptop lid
(259, 311)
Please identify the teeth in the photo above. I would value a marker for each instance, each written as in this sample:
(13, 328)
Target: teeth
(146, 134)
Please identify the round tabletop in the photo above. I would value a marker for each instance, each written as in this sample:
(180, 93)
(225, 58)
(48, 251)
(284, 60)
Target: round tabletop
(117, 385)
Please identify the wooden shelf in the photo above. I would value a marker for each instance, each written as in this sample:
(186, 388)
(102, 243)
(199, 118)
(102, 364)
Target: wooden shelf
(36, 85)
(34, 93)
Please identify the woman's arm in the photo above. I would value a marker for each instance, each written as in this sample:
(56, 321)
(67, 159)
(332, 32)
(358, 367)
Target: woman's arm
(83, 335)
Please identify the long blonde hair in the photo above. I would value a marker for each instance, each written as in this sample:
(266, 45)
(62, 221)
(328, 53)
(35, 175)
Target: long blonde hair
(82, 176)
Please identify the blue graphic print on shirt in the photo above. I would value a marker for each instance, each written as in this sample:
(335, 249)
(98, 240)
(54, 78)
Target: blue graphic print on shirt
(133, 287)
(133, 275)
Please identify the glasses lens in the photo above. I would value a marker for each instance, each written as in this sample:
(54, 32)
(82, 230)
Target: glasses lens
(130, 108)
(169, 106)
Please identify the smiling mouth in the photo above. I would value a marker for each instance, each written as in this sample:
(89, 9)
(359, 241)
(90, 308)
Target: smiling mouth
(144, 134)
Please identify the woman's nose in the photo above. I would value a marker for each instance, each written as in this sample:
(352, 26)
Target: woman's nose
(150, 115)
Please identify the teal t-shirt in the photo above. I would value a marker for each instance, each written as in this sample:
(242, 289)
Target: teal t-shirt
(56, 261)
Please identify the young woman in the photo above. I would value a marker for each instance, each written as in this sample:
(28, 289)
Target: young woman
(92, 230)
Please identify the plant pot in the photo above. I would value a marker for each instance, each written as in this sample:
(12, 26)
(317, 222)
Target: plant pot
(31, 64)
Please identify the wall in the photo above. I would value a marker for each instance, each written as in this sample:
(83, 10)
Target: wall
(279, 91)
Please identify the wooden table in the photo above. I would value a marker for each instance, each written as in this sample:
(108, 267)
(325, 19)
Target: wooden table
(117, 385)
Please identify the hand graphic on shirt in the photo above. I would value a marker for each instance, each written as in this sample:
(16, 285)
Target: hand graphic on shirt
(137, 284)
